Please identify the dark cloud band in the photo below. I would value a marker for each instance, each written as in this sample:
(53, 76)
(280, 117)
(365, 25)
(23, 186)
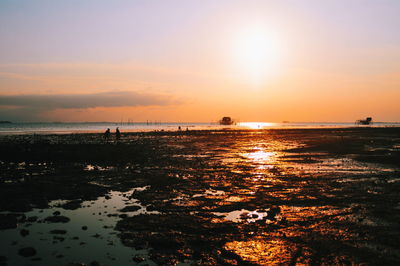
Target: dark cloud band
(83, 101)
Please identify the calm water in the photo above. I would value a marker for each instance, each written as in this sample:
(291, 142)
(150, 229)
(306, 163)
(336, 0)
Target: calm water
(99, 242)
(27, 128)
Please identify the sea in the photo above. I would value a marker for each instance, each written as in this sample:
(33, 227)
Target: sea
(96, 127)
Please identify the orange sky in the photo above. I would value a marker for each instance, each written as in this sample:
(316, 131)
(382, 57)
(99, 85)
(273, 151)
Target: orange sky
(252, 60)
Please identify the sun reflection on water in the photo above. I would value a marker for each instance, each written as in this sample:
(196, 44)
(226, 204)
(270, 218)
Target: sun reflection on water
(256, 125)
(272, 252)
(259, 156)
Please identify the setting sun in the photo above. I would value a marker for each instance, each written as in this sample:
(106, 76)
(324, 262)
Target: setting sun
(257, 53)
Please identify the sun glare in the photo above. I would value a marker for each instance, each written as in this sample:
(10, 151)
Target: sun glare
(256, 125)
(257, 53)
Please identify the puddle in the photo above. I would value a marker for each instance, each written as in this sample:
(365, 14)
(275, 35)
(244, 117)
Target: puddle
(243, 216)
(91, 167)
(99, 242)
(210, 192)
(262, 252)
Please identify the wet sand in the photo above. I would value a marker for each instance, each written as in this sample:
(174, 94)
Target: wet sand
(224, 197)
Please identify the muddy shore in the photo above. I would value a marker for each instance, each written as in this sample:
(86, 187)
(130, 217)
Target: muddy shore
(224, 197)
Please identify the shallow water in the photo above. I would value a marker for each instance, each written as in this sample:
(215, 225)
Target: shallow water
(99, 242)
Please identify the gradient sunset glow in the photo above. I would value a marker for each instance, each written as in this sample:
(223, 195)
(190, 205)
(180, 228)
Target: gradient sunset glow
(198, 61)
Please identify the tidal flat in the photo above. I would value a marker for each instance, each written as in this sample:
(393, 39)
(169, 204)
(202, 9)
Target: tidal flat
(209, 197)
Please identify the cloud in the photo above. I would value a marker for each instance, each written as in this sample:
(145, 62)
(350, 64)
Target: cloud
(33, 106)
(83, 101)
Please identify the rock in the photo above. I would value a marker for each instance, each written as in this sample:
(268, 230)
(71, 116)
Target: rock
(123, 216)
(151, 208)
(41, 203)
(21, 205)
(273, 211)
(84, 227)
(95, 263)
(58, 238)
(24, 232)
(244, 215)
(138, 259)
(21, 218)
(56, 213)
(131, 208)
(57, 219)
(8, 221)
(27, 252)
(72, 205)
(32, 219)
(58, 232)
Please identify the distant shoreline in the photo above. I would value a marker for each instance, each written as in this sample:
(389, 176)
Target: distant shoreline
(211, 129)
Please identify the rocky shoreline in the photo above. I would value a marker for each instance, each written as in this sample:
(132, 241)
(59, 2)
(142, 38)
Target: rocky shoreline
(229, 197)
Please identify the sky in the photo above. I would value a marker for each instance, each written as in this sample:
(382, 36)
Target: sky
(196, 61)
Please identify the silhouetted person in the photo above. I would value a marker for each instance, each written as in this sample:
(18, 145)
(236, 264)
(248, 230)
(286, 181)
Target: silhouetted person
(107, 134)
(179, 128)
(117, 134)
